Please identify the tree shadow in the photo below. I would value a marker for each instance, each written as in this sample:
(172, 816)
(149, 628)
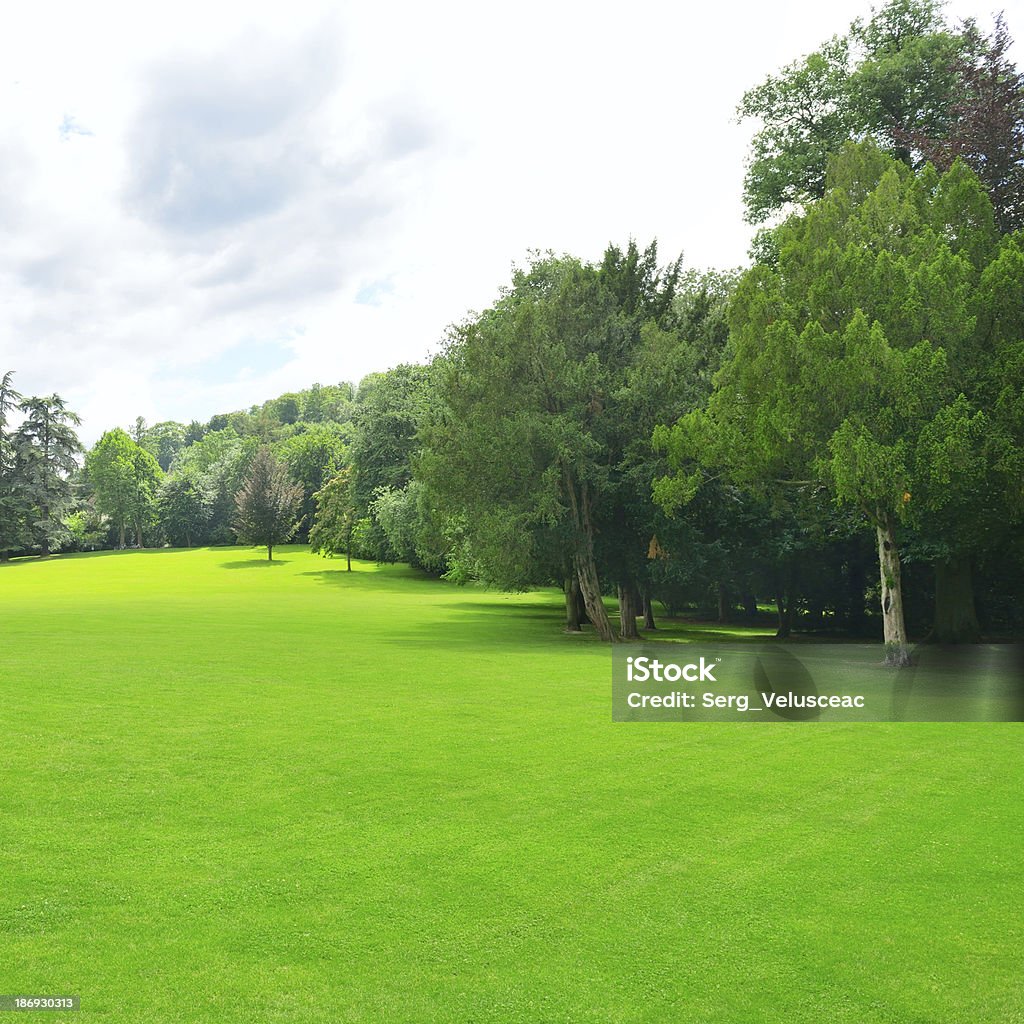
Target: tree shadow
(521, 609)
(253, 563)
(377, 580)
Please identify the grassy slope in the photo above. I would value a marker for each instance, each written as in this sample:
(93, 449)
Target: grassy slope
(233, 791)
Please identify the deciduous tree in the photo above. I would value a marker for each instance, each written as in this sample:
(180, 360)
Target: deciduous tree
(336, 517)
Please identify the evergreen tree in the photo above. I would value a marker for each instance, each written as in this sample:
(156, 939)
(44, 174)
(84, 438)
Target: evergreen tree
(45, 449)
(267, 504)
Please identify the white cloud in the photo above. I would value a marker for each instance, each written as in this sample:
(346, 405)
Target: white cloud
(210, 204)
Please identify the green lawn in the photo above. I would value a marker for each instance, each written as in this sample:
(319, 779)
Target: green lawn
(233, 791)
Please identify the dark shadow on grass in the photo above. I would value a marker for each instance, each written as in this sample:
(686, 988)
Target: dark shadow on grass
(520, 609)
(59, 556)
(390, 580)
(252, 563)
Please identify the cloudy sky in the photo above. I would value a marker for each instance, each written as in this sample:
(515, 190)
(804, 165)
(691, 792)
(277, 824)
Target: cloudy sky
(204, 206)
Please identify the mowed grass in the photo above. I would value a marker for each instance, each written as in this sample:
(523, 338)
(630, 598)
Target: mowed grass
(234, 791)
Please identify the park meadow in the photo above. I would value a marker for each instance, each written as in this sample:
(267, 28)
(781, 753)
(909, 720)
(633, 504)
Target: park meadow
(242, 790)
(306, 706)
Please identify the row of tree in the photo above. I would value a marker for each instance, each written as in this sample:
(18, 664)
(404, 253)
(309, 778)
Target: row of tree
(838, 430)
(177, 484)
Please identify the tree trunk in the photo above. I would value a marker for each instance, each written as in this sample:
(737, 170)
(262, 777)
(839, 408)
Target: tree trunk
(270, 552)
(750, 607)
(5, 556)
(956, 621)
(138, 534)
(583, 557)
(590, 587)
(648, 611)
(780, 613)
(723, 603)
(581, 604)
(785, 599)
(348, 559)
(627, 613)
(897, 653)
(572, 605)
(44, 547)
(120, 535)
(856, 576)
(784, 608)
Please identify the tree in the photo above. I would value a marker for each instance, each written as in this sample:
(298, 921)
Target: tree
(850, 350)
(896, 79)
(267, 504)
(412, 530)
(13, 513)
(527, 452)
(163, 441)
(389, 410)
(125, 478)
(313, 457)
(511, 463)
(986, 127)
(183, 506)
(219, 461)
(336, 516)
(45, 449)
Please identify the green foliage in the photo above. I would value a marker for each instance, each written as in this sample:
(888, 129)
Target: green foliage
(163, 441)
(848, 355)
(87, 530)
(895, 79)
(184, 504)
(45, 450)
(545, 479)
(14, 512)
(336, 517)
(125, 478)
(411, 526)
(314, 457)
(267, 504)
(986, 124)
(389, 410)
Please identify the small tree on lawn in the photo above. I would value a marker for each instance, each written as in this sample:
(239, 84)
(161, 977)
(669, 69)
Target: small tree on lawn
(336, 517)
(267, 504)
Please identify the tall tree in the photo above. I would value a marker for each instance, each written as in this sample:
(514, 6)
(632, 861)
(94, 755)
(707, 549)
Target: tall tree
(267, 504)
(313, 458)
(183, 506)
(125, 478)
(512, 450)
(986, 128)
(336, 515)
(12, 500)
(528, 447)
(163, 441)
(849, 353)
(46, 447)
(897, 78)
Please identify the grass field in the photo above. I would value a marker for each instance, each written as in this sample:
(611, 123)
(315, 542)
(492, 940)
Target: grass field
(233, 791)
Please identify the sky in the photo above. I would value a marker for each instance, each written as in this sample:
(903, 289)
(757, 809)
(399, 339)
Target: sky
(207, 205)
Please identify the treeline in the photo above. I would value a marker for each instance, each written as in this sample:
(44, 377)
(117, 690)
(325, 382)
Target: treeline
(836, 432)
(177, 484)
